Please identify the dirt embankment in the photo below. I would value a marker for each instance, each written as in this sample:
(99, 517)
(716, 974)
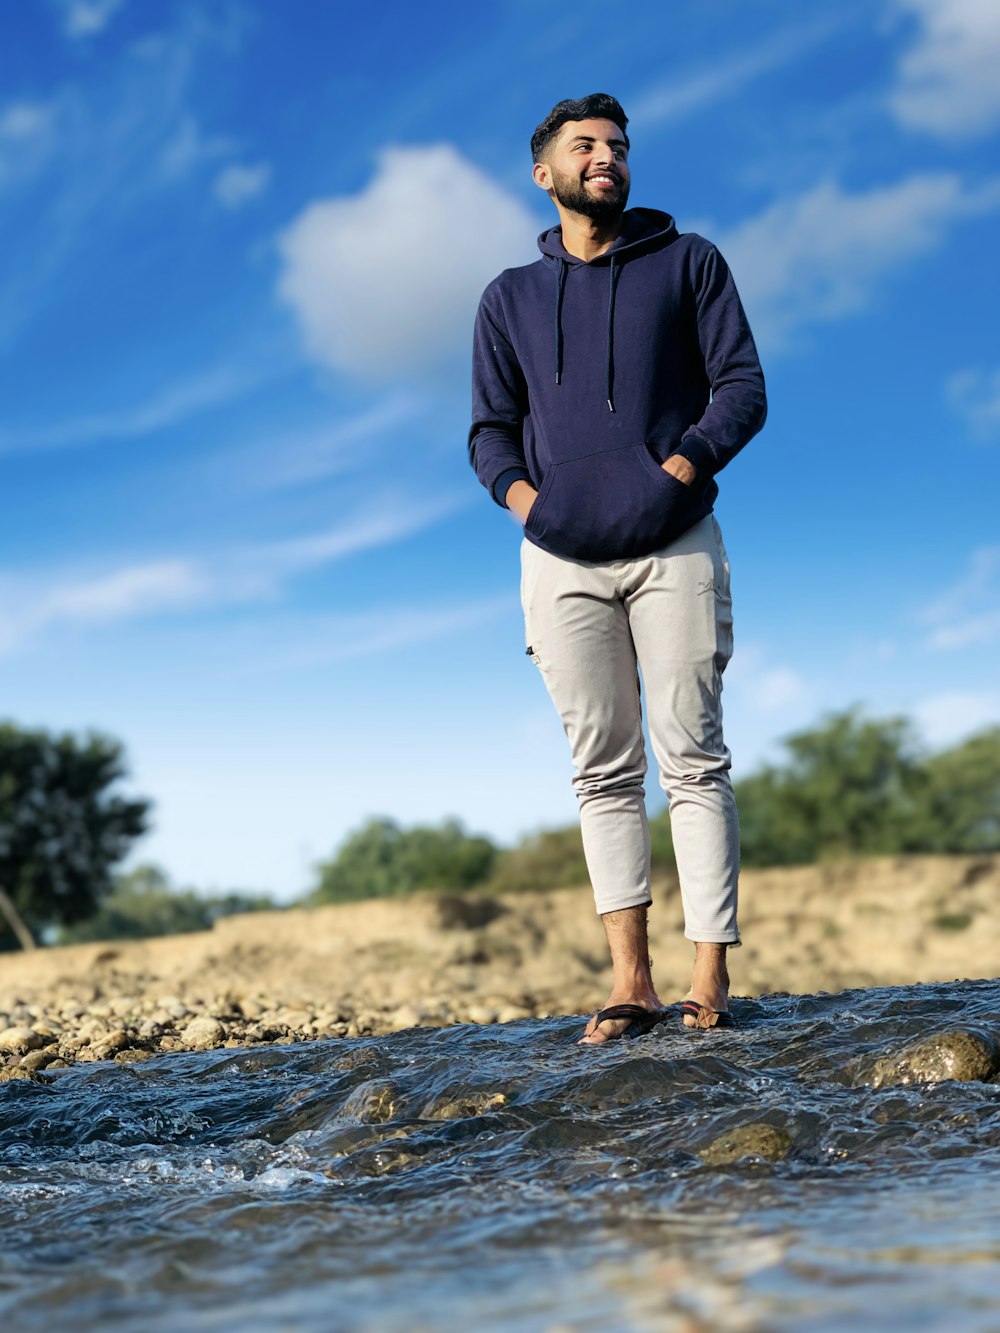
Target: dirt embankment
(385, 965)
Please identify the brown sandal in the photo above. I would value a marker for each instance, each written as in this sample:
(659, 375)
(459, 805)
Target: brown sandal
(643, 1020)
(705, 1017)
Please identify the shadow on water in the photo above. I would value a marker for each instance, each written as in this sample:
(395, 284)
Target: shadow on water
(834, 1158)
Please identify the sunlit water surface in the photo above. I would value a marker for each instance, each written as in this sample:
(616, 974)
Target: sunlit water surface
(505, 1178)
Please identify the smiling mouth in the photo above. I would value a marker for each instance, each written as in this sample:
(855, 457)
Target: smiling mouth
(602, 178)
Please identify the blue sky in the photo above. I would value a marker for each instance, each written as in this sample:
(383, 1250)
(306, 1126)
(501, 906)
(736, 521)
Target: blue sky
(243, 249)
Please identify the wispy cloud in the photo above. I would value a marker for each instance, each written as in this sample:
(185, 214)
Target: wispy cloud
(86, 18)
(975, 396)
(389, 302)
(682, 94)
(287, 457)
(31, 604)
(236, 185)
(947, 79)
(821, 256)
(188, 148)
(172, 405)
(968, 613)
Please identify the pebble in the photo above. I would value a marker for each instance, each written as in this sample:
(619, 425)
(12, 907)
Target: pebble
(20, 1039)
(201, 1034)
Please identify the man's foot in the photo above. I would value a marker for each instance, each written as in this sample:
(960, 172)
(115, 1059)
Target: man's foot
(709, 986)
(609, 1029)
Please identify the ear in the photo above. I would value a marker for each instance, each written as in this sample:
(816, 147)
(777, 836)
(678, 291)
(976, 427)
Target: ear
(542, 176)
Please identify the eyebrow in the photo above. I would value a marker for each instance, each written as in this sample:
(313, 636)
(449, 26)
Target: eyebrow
(590, 138)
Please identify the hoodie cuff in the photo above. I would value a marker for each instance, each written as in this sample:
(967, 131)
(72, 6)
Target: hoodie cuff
(506, 480)
(698, 453)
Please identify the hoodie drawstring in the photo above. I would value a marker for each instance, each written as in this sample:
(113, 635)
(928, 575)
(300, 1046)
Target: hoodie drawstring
(560, 283)
(615, 270)
(611, 334)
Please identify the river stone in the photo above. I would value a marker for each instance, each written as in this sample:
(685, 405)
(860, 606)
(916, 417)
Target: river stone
(105, 1047)
(19, 1040)
(39, 1059)
(962, 1054)
(747, 1141)
(201, 1034)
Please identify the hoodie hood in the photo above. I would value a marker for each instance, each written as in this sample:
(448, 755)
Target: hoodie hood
(642, 229)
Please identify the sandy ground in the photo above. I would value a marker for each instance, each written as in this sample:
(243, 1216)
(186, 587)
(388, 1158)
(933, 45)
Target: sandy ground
(385, 965)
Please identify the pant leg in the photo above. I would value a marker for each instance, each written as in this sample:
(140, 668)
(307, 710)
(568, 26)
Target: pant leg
(578, 633)
(680, 611)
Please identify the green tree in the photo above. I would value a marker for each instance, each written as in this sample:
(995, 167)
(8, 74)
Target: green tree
(382, 860)
(63, 826)
(143, 903)
(960, 809)
(852, 786)
(550, 859)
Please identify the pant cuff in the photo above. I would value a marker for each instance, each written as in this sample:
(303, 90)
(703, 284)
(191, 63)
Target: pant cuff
(620, 904)
(714, 937)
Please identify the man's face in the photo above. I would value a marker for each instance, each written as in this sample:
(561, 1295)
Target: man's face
(586, 169)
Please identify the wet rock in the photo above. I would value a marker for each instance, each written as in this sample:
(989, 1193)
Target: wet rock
(464, 1105)
(201, 1034)
(963, 1054)
(760, 1140)
(372, 1103)
(20, 1039)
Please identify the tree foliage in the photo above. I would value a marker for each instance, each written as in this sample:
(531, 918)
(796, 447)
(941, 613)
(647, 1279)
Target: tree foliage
(960, 808)
(857, 786)
(382, 860)
(143, 903)
(849, 786)
(63, 825)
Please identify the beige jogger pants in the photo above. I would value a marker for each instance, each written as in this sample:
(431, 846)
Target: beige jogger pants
(591, 628)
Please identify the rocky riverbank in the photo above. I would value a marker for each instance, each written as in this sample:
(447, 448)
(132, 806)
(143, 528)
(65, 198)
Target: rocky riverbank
(438, 959)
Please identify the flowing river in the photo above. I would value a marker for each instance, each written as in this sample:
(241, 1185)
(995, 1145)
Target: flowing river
(799, 1173)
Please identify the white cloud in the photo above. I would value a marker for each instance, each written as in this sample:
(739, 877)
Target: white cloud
(968, 613)
(949, 717)
(30, 604)
(236, 185)
(820, 256)
(685, 92)
(975, 395)
(947, 81)
(385, 283)
(24, 120)
(765, 688)
(84, 18)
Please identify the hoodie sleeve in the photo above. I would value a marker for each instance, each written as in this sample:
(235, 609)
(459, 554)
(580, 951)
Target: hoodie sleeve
(739, 405)
(499, 402)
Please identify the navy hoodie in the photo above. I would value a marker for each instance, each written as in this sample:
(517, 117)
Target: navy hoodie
(586, 376)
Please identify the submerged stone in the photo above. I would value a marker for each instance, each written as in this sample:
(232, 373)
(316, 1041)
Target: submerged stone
(761, 1140)
(962, 1054)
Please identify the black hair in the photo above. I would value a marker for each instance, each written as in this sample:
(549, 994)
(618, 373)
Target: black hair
(598, 106)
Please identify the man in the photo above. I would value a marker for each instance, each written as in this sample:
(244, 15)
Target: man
(612, 380)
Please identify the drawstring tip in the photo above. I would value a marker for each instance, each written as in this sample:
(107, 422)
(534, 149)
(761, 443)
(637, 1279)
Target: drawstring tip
(611, 406)
(558, 378)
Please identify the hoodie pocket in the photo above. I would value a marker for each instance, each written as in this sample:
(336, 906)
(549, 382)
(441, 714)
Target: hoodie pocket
(611, 506)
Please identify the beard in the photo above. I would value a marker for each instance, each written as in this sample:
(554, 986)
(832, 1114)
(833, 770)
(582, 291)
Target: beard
(571, 192)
